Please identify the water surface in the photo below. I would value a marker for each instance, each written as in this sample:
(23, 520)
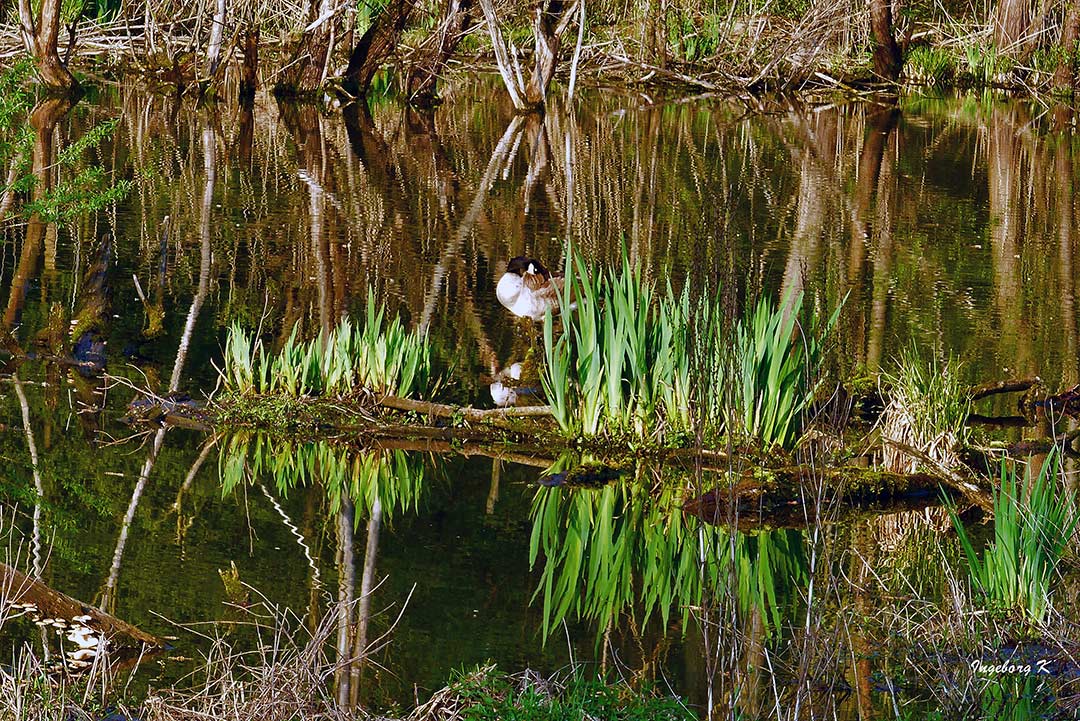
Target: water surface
(948, 222)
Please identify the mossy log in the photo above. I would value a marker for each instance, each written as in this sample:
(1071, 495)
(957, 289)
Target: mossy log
(18, 588)
(442, 410)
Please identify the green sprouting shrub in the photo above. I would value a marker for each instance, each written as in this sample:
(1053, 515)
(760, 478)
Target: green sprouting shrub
(930, 65)
(378, 355)
(1033, 523)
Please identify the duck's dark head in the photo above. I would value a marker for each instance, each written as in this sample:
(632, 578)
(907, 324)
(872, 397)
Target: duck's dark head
(523, 264)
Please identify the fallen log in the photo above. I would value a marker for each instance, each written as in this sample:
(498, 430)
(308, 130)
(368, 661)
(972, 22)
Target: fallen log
(1013, 385)
(442, 410)
(977, 419)
(18, 588)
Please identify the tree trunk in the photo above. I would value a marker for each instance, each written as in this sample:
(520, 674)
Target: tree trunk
(363, 613)
(346, 591)
(375, 45)
(424, 73)
(1064, 198)
(1011, 21)
(549, 24)
(1005, 173)
(50, 603)
(43, 119)
(245, 136)
(887, 58)
(308, 61)
(217, 32)
(511, 75)
(550, 20)
(41, 38)
(250, 71)
(882, 121)
(1065, 74)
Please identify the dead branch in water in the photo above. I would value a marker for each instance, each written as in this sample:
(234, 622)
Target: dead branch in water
(1013, 385)
(17, 587)
(946, 475)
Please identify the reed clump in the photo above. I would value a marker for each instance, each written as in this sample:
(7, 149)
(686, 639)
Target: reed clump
(633, 362)
(1033, 524)
(619, 364)
(925, 420)
(378, 355)
(776, 370)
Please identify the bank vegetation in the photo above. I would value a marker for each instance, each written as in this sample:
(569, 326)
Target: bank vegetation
(304, 48)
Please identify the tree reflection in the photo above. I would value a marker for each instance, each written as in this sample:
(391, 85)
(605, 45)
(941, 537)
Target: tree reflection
(44, 119)
(356, 484)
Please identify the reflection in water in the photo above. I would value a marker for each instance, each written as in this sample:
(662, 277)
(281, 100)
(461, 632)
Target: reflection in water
(950, 221)
(429, 211)
(371, 479)
(209, 144)
(389, 479)
(629, 548)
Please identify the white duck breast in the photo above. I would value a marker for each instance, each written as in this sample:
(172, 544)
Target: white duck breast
(528, 296)
(521, 300)
(503, 395)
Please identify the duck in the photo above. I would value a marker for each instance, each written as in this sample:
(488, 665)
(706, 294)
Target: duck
(516, 384)
(527, 289)
(503, 388)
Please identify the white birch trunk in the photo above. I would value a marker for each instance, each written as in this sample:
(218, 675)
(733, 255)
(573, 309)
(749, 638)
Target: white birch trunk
(217, 32)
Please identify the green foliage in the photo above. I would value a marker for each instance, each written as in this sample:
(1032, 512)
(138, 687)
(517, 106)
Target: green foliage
(379, 356)
(366, 12)
(712, 363)
(930, 65)
(102, 10)
(88, 191)
(929, 404)
(630, 361)
(629, 548)
(15, 96)
(765, 563)
(82, 190)
(776, 369)
(394, 478)
(692, 38)
(484, 695)
(71, 10)
(620, 364)
(16, 135)
(984, 64)
(1033, 523)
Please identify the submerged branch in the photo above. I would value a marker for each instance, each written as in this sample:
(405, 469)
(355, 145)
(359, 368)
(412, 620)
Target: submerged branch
(1012, 385)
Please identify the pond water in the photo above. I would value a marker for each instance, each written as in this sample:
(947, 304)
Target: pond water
(949, 222)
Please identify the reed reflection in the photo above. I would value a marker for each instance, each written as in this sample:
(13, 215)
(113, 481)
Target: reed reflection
(357, 485)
